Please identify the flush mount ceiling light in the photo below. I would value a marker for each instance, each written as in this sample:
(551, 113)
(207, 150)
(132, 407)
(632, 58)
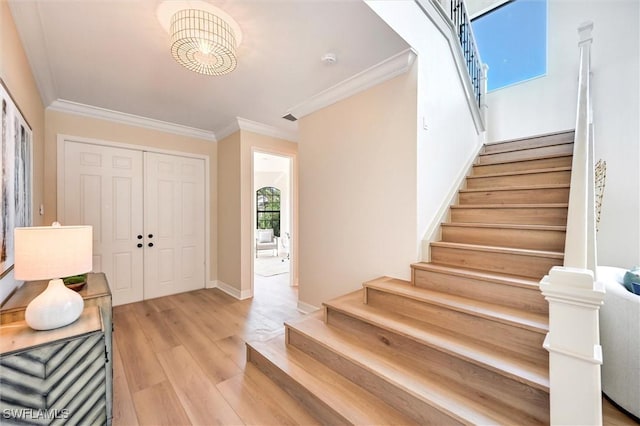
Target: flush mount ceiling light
(203, 38)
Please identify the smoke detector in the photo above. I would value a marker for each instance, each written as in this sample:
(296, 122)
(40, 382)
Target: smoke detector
(329, 58)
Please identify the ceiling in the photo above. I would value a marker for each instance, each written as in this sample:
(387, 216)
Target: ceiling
(114, 54)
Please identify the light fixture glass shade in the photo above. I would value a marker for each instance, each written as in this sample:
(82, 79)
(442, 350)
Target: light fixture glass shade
(53, 252)
(202, 42)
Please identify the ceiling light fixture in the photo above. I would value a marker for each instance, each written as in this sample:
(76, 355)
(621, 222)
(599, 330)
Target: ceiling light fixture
(203, 42)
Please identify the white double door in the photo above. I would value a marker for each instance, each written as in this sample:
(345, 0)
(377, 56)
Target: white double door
(148, 216)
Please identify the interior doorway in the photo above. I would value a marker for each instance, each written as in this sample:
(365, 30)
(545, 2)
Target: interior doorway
(272, 223)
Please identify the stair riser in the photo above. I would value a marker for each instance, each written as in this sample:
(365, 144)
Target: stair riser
(316, 407)
(540, 141)
(546, 178)
(526, 154)
(519, 166)
(528, 299)
(506, 237)
(516, 196)
(475, 381)
(506, 263)
(523, 215)
(517, 340)
(414, 407)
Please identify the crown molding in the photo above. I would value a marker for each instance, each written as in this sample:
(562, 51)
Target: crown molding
(84, 110)
(240, 123)
(266, 130)
(228, 130)
(391, 67)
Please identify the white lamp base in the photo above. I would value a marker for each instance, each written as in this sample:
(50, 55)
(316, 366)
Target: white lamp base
(55, 307)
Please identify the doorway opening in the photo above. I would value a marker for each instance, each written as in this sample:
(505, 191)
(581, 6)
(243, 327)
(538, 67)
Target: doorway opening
(272, 223)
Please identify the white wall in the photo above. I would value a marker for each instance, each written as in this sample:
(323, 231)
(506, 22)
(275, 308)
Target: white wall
(450, 141)
(478, 7)
(548, 104)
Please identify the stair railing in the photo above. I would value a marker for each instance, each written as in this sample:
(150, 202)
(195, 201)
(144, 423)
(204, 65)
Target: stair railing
(580, 251)
(477, 70)
(452, 19)
(573, 293)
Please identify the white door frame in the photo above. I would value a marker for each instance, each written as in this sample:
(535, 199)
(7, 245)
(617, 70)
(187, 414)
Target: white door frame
(292, 212)
(60, 140)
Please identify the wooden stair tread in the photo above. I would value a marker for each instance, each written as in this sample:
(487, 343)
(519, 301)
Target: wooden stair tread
(434, 391)
(496, 277)
(521, 172)
(521, 160)
(511, 206)
(516, 188)
(530, 148)
(459, 346)
(554, 138)
(349, 400)
(505, 226)
(511, 157)
(515, 317)
(496, 249)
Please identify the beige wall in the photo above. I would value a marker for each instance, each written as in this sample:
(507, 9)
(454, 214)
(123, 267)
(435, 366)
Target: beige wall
(229, 210)
(59, 123)
(17, 77)
(235, 200)
(358, 184)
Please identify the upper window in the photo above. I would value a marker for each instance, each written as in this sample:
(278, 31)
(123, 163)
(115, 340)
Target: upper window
(512, 40)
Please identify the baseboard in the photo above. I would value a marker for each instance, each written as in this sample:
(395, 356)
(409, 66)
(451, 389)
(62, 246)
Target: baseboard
(211, 284)
(306, 308)
(230, 290)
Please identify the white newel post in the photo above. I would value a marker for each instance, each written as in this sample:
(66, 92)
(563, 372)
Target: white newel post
(574, 295)
(573, 342)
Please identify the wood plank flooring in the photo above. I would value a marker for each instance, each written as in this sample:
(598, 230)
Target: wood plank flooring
(181, 360)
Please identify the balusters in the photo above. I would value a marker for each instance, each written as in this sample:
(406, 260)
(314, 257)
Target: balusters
(462, 24)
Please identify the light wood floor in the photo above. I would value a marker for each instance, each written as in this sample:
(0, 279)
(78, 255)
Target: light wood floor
(181, 360)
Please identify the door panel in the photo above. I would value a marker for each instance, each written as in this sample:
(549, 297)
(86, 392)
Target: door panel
(103, 188)
(174, 215)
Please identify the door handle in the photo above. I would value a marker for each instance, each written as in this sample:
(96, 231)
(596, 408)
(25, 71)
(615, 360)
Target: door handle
(139, 245)
(150, 235)
(139, 236)
(150, 244)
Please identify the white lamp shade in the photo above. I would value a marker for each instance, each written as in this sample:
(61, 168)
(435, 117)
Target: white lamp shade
(46, 252)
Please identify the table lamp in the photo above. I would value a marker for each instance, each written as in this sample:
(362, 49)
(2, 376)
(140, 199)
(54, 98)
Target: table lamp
(53, 252)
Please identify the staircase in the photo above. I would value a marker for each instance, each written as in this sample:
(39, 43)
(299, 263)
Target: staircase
(462, 342)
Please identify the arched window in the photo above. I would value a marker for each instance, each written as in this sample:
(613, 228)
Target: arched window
(268, 209)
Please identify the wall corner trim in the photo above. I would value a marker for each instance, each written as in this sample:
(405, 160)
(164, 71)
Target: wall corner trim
(232, 291)
(391, 67)
(84, 110)
(306, 308)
